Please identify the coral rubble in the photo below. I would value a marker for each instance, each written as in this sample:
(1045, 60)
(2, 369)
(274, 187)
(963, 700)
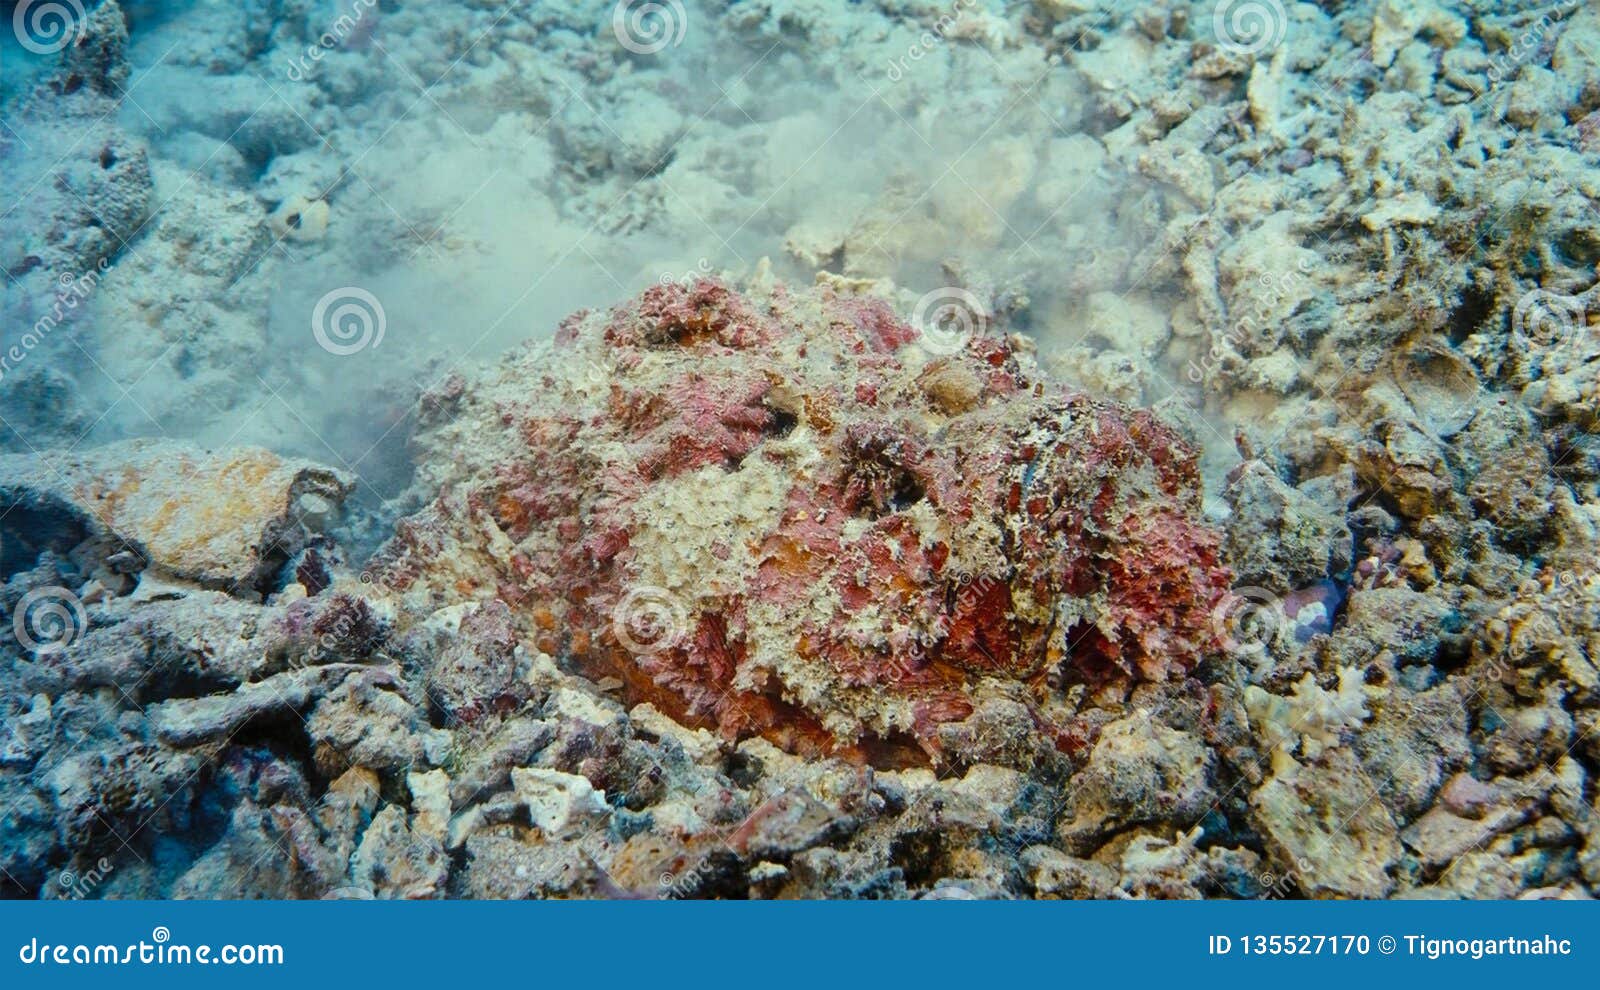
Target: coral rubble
(1237, 537)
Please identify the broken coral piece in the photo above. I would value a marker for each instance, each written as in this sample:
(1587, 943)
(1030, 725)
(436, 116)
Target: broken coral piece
(226, 519)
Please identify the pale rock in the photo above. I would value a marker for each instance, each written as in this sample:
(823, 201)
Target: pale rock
(557, 801)
(1440, 836)
(697, 744)
(1323, 823)
(1405, 209)
(430, 803)
(1073, 176)
(1131, 324)
(220, 518)
(1140, 771)
(1398, 21)
(302, 220)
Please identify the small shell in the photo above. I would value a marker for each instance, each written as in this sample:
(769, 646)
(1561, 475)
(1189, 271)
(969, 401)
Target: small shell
(1441, 385)
(300, 219)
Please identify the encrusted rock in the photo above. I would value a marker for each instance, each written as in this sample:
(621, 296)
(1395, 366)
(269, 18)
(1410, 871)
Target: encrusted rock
(556, 801)
(1141, 771)
(1324, 825)
(791, 514)
(1278, 538)
(226, 519)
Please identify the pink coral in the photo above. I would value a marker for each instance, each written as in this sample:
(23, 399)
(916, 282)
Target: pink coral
(777, 514)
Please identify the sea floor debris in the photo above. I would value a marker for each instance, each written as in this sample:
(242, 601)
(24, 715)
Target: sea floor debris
(1222, 522)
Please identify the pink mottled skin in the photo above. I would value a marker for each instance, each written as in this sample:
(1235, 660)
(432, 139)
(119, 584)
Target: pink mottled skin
(1089, 510)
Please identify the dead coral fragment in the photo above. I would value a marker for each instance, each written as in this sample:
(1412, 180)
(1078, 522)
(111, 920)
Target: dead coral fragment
(226, 519)
(777, 515)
